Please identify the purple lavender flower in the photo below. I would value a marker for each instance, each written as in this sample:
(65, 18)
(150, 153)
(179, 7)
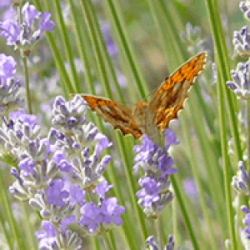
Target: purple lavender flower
(65, 222)
(107, 213)
(111, 47)
(47, 237)
(9, 12)
(189, 187)
(72, 152)
(240, 84)
(55, 193)
(245, 234)
(241, 182)
(22, 35)
(192, 38)
(157, 165)
(46, 24)
(27, 165)
(39, 163)
(149, 193)
(63, 164)
(91, 216)
(69, 116)
(151, 243)
(241, 42)
(9, 88)
(7, 66)
(245, 8)
(10, 31)
(170, 244)
(111, 211)
(152, 156)
(74, 136)
(29, 12)
(5, 3)
(101, 189)
(154, 246)
(77, 195)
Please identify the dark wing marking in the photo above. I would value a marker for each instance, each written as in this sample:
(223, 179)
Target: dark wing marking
(119, 116)
(170, 96)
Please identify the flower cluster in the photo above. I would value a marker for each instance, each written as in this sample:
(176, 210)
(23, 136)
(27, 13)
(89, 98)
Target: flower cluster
(245, 234)
(241, 182)
(241, 84)
(55, 174)
(241, 88)
(21, 32)
(154, 246)
(192, 37)
(157, 165)
(245, 8)
(9, 87)
(241, 42)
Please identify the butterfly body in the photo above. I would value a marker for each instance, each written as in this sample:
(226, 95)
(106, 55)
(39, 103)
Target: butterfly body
(144, 120)
(150, 118)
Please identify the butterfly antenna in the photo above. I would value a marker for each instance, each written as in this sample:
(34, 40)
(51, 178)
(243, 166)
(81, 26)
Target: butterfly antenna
(153, 91)
(150, 94)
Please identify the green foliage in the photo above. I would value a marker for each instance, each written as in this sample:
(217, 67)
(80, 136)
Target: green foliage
(149, 48)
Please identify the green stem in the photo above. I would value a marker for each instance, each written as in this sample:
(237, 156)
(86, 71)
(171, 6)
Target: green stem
(175, 222)
(158, 231)
(27, 89)
(96, 47)
(5, 203)
(66, 44)
(184, 213)
(82, 46)
(29, 229)
(132, 188)
(25, 68)
(57, 55)
(107, 59)
(95, 242)
(115, 14)
(5, 231)
(248, 133)
(106, 240)
(225, 160)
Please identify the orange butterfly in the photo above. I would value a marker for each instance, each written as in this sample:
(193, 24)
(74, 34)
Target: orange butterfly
(150, 118)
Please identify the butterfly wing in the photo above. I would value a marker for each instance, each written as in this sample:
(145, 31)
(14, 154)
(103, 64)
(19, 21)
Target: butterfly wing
(170, 96)
(114, 113)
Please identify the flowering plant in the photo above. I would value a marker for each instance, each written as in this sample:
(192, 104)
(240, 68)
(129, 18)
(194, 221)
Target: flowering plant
(69, 180)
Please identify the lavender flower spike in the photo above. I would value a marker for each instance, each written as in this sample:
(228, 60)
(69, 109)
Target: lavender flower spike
(9, 88)
(241, 42)
(241, 182)
(245, 8)
(192, 38)
(154, 246)
(69, 117)
(104, 215)
(24, 35)
(245, 234)
(48, 238)
(157, 165)
(240, 84)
